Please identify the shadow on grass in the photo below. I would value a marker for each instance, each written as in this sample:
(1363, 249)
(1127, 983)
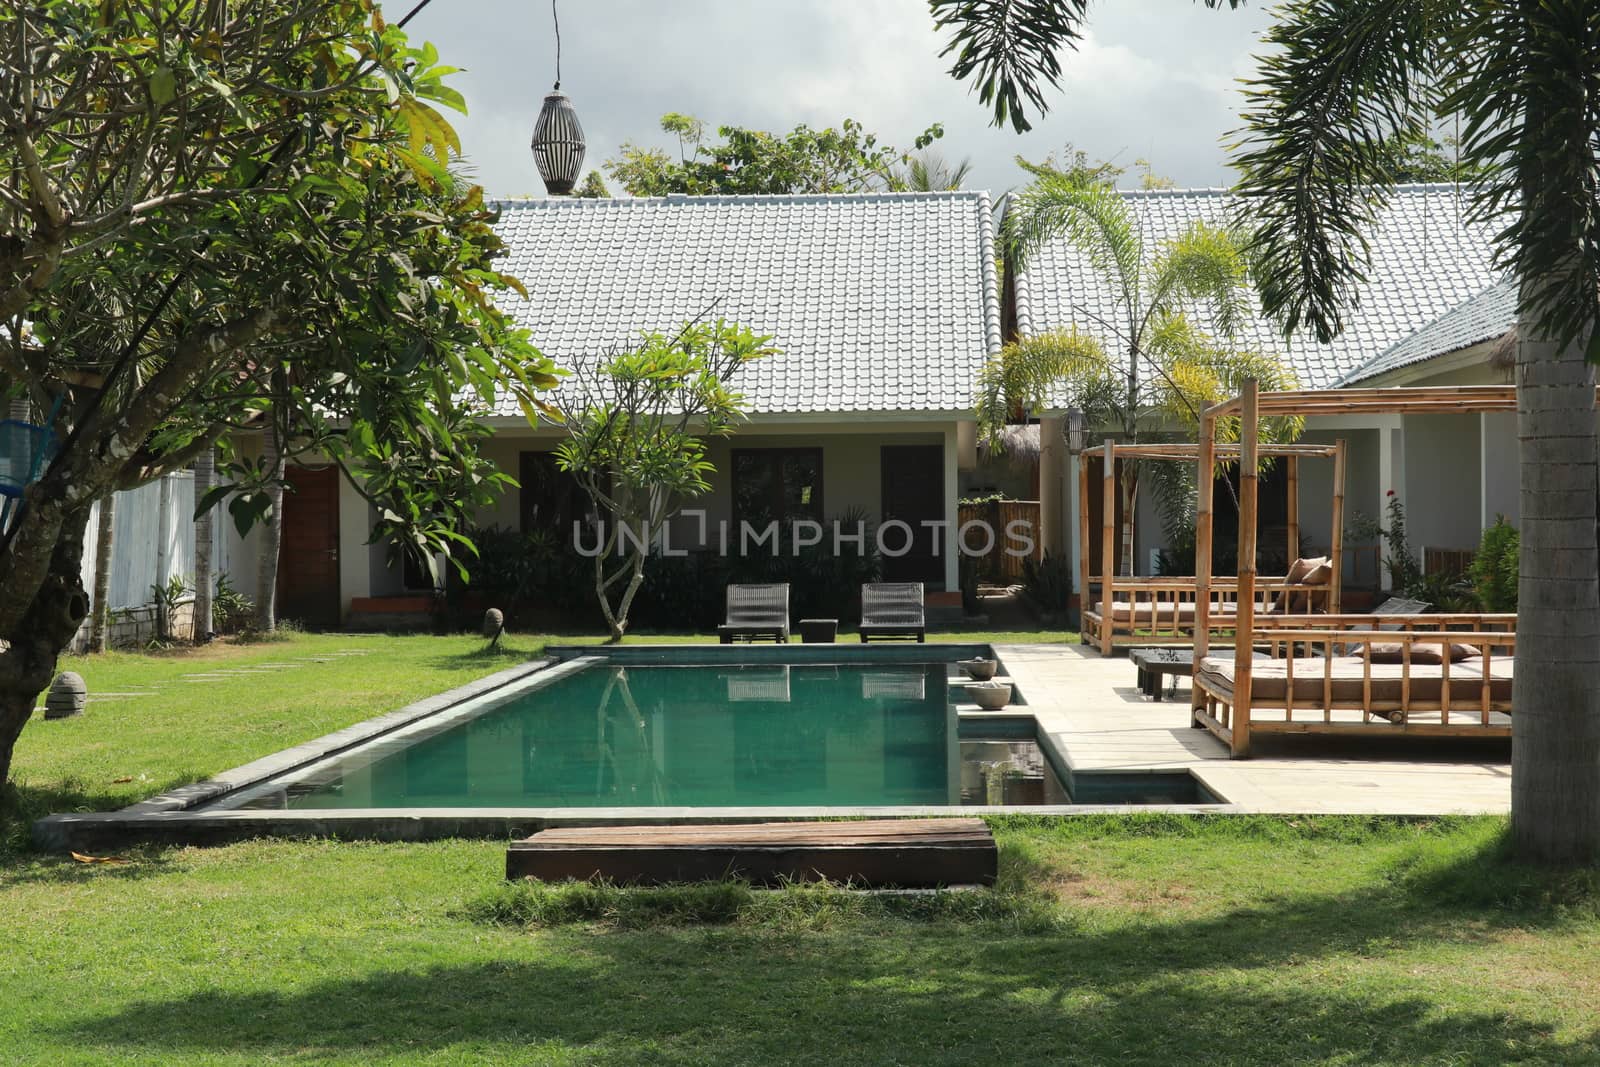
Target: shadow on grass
(1237, 988)
(20, 805)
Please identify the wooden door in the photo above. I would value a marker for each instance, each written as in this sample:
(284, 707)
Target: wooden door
(913, 492)
(308, 559)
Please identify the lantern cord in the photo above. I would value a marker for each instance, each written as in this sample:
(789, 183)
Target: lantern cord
(556, 18)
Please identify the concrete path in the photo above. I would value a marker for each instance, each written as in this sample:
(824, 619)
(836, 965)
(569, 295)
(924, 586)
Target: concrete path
(1094, 713)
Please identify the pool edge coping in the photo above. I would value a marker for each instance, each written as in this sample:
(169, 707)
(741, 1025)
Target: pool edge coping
(172, 817)
(188, 797)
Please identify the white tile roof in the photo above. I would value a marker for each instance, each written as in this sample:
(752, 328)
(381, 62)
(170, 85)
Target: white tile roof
(1484, 317)
(877, 302)
(1425, 261)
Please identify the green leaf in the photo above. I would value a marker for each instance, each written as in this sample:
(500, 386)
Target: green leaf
(163, 87)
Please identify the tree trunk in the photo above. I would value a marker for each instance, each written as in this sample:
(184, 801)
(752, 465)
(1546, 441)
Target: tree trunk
(105, 546)
(271, 534)
(635, 579)
(205, 471)
(28, 663)
(1555, 753)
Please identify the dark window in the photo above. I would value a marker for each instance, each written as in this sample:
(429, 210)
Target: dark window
(552, 499)
(777, 483)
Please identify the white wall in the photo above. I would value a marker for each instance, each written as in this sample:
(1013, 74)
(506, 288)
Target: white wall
(1442, 498)
(1502, 480)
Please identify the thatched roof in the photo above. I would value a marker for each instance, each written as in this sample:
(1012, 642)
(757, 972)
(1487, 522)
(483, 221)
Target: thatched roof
(1017, 446)
(1503, 355)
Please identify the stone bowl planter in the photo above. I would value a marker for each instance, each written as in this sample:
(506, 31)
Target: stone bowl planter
(990, 696)
(979, 670)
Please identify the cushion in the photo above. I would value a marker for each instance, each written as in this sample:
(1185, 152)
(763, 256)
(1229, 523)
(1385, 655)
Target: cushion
(1270, 685)
(1315, 571)
(1302, 567)
(1394, 652)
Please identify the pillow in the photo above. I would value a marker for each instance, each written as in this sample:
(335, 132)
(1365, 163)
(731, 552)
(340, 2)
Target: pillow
(1302, 567)
(1313, 571)
(1393, 652)
(1321, 575)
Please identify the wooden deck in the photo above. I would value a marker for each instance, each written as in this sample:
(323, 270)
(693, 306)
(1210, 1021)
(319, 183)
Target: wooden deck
(878, 853)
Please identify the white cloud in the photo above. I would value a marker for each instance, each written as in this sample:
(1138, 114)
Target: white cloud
(1153, 79)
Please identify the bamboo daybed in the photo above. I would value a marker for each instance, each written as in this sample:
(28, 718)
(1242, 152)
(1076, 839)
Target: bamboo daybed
(1163, 610)
(1421, 675)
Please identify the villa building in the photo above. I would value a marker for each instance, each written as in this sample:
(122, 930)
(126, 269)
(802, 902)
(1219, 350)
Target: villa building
(1429, 313)
(883, 308)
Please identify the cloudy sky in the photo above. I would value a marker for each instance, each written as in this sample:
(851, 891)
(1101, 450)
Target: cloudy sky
(1157, 79)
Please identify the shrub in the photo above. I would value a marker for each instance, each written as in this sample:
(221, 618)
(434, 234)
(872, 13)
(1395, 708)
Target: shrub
(231, 610)
(1048, 582)
(1494, 569)
(1405, 572)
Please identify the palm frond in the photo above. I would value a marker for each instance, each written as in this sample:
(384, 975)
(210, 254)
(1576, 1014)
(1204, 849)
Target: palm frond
(1204, 264)
(1528, 87)
(1196, 371)
(1093, 218)
(1012, 47)
(1031, 374)
(1174, 487)
(929, 172)
(1342, 78)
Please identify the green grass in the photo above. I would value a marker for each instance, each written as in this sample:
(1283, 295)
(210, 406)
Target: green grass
(1134, 940)
(184, 729)
(1147, 939)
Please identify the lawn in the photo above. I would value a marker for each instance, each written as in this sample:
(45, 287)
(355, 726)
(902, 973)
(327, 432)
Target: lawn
(1142, 939)
(1133, 940)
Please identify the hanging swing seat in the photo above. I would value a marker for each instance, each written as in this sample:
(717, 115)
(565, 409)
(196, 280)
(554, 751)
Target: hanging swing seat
(24, 448)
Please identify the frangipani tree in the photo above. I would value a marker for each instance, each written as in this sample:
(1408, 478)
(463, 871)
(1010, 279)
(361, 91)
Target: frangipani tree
(217, 210)
(637, 425)
(1166, 366)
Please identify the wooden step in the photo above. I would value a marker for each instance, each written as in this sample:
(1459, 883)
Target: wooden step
(877, 853)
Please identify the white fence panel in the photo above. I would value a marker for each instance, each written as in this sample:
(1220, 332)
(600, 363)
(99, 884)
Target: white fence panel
(153, 541)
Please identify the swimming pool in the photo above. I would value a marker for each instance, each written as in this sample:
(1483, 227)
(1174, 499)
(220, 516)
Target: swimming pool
(600, 734)
(640, 733)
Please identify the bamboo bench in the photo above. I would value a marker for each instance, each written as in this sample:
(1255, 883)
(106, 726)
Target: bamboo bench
(1324, 678)
(1155, 611)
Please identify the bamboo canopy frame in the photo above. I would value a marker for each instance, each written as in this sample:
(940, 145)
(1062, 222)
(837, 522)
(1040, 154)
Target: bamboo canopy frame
(1249, 407)
(1208, 452)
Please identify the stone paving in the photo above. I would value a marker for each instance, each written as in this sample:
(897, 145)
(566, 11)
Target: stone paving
(1093, 711)
(218, 673)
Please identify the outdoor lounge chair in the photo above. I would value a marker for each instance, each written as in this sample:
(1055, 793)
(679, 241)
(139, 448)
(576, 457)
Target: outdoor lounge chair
(892, 609)
(756, 612)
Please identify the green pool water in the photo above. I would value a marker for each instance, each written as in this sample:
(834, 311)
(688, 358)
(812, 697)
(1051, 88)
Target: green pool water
(671, 736)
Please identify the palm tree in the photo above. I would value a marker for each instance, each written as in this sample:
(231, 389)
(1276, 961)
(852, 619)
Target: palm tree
(1168, 367)
(1344, 79)
(929, 172)
(1524, 79)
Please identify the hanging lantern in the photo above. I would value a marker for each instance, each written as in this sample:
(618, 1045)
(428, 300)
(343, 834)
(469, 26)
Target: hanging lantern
(558, 143)
(557, 136)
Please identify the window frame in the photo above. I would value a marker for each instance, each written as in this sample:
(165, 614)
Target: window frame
(775, 455)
